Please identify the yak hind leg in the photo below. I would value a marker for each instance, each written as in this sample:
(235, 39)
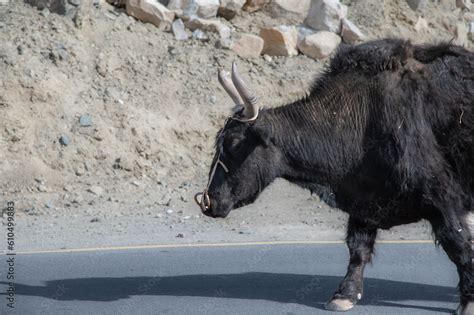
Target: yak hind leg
(456, 240)
(360, 240)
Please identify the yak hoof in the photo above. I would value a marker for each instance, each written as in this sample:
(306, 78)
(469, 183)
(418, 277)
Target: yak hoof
(339, 305)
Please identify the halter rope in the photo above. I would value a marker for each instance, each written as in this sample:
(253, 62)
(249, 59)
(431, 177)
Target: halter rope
(202, 198)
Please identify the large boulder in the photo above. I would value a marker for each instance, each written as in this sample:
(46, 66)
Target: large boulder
(229, 8)
(280, 40)
(255, 5)
(289, 9)
(326, 15)
(319, 45)
(151, 11)
(248, 46)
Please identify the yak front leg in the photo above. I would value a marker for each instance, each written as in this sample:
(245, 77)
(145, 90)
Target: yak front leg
(360, 240)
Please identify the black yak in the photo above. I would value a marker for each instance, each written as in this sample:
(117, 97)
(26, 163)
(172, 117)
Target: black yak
(388, 128)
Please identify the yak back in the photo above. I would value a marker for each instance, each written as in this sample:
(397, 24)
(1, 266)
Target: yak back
(422, 106)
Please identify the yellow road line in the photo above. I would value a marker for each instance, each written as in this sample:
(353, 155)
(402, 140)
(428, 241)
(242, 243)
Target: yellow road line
(158, 246)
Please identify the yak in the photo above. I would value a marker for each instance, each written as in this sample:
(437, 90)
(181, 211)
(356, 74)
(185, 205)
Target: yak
(387, 128)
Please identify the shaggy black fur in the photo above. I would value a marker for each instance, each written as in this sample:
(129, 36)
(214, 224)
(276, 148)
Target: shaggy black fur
(388, 131)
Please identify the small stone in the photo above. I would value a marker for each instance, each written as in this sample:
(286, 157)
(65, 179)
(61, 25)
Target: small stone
(85, 121)
(169, 211)
(464, 4)
(248, 46)
(214, 26)
(198, 34)
(41, 188)
(94, 220)
(44, 12)
(96, 190)
(49, 205)
(280, 41)
(229, 8)
(267, 58)
(461, 34)
(471, 31)
(64, 140)
(255, 5)
(351, 33)
(415, 4)
(223, 43)
(319, 45)
(136, 183)
(151, 11)
(212, 99)
(421, 24)
(177, 28)
(326, 15)
(180, 235)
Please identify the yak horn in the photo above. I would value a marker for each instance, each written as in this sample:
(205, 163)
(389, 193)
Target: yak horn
(230, 88)
(250, 100)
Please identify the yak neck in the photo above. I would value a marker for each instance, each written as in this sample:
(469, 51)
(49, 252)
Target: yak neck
(321, 136)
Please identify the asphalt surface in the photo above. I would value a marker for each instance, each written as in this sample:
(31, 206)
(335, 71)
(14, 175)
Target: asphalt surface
(243, 279)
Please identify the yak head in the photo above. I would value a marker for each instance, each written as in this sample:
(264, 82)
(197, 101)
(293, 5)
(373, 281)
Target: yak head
(246, 158)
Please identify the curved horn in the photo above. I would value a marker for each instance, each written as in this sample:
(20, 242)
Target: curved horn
(230, 88)
(250, 100)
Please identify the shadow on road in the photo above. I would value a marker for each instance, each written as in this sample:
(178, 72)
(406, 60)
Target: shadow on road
(307, 290)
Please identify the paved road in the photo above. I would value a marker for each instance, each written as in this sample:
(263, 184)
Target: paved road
(256, 279)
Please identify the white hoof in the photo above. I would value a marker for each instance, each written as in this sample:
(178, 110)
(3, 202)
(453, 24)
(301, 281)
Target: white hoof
(339, 305)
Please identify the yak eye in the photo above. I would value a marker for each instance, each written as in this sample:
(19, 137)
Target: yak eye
(231, 145)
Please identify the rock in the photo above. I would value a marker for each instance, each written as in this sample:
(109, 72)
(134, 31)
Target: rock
(151, 11)
(180, 235)
(229, 8)
(288, 9)
(471, 31)
(319, 45)
(214, 26)
(136, 183)
(255, 5)
(118, 3)
(42, 188)
(61, 7)
(351, 33)
(303, 31)
(464, 4)
(248, 46)
(169, 211)
(64, 140)
(223, 43)
(198, 34)
(326, 15)
(190, 9)
(85, 121)
(460, 34)
(94, 220)
(280, 41)
(177, 28)
(96, 190)
(421, 24)
(415, 4)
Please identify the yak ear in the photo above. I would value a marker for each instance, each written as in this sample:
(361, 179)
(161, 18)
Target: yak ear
(263, 132)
